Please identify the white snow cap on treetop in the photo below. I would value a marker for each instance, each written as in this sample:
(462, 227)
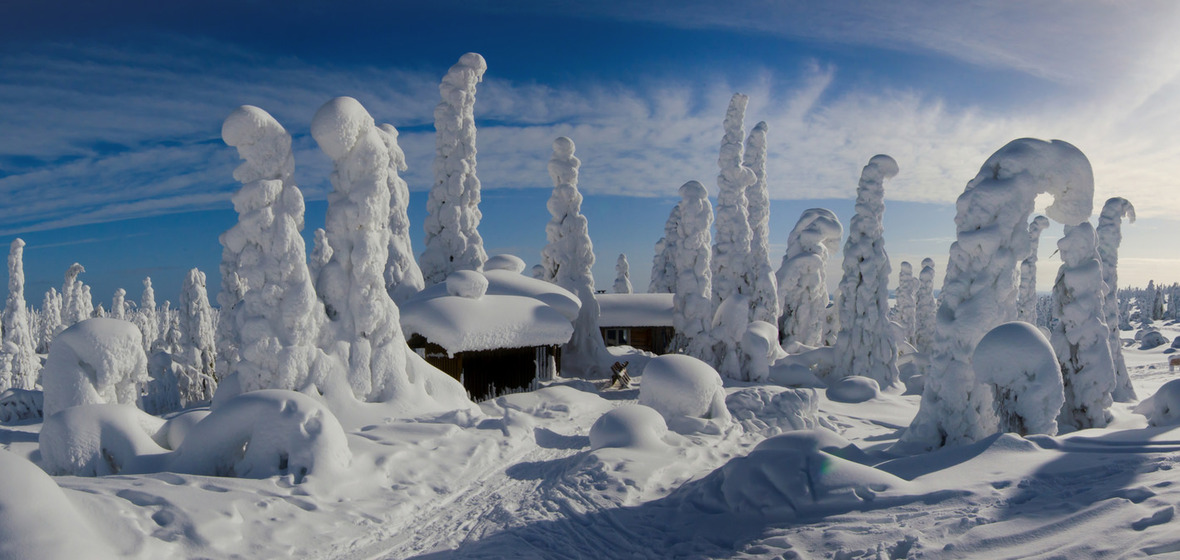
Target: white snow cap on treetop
(337, 125)
(880, 167)
(694, 190)
(261, 141)
(1055, 167)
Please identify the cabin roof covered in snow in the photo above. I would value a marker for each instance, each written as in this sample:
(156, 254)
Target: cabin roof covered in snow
(465, 324)
(502, 282)
(635, 310)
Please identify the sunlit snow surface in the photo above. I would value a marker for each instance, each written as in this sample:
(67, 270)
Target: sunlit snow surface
(522, 481)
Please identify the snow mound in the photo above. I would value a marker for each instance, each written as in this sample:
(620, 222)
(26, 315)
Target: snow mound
(629, 426)
(511, 263)
(178, 427)
(1162, 408)
(266, 433)
(93, 362)
(38, 520)
(101, 439)
(772, 410)
(790, 476)
(761, 349)
(682, 387)
(1152, 339)
(854, 389)
(1018, 362)
(556, 402)
(467, 283)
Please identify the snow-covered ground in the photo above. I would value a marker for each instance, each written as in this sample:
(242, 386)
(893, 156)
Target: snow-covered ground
(522, 481)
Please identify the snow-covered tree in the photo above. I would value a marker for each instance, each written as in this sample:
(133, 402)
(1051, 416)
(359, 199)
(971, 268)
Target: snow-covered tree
(802, 278)
(1080, 337)
(321, 253)
(277, 319)
(119, 305)
(906, 295)
(403, 278)
(146, 318)
(692, 309)
(865, 345)
(1017, 363)
(731, 247)
(622, 275)
(663, 268)
(925, 310)
(568, 259)
(197, 353)
(74, 305)
(764, 305)
(452, 238)
(979, 291)
(19, 342)
(1110, 236)
(1026, 298)
(51, 306)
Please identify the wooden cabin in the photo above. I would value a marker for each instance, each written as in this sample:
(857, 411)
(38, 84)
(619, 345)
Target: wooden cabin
(642, 321)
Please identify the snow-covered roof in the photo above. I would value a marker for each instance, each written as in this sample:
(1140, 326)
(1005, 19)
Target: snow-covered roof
(635, 310)
(463, 324)
(506, 282)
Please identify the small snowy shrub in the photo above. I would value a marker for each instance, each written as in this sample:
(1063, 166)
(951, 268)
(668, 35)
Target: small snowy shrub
(1162, 408)
(95, 361)
(680, 386)
(1152, 339)
(100, 440)
(630, 425)
(1017, 361)
(854, 389)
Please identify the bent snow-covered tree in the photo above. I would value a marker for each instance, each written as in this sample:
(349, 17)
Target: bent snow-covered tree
(623, 275)
(568, 259)
(1110, 236)
(692, 309)
(865, 345)
(403, 278)
(663, 268)
(1026, 299)
(979, 291)
(278, 316)
(764, 305)
(75, 306)
(802, 278)
(18, 334)
(1080, 337)
(452, 238)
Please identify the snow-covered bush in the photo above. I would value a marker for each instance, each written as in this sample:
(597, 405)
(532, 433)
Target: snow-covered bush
(1080, 337)
(663, 267)
(1162, 408)
(403, 278)
(1110, 235)
(683, 388)
(854, 389)
(95, 361)
(979, 291)
(1152, 339)
(1017, 361)
(692, 307)
(865, 345)
(1026, 298)
(568, 258)
(101, 439)
(629, 426)
(622, 275)
(764, 305)
(452, 238)
(760, 349)
(802, 278)
(18, 334)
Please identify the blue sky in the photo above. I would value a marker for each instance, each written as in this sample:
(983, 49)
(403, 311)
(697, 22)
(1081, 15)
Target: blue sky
(110, 152)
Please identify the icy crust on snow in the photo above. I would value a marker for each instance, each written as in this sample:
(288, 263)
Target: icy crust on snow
(254, 435)
(1018, 362)
(38, 520)
(802, 277)
(631, 426)
(463, 324)
(790, 476)
(634, 310)
(1110, 236)
(684, 390)
(95, 361)
(1162, 408)
(980, 288)
(865, 345)
(692, 306)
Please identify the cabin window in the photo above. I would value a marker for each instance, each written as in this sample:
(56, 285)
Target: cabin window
(618, 337)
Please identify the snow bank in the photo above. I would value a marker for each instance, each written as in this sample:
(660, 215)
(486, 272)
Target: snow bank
(682, 387)
(1162, 408)
(101, 439)
(854, 389)
(38, 520)
(791, 475)
(1018, 362)
(95, 361)
(629, 426)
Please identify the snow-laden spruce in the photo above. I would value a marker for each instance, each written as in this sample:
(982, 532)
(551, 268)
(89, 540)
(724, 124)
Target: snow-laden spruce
(731, 247)
(925, 321)
(95, 361)
(1018, 363)
(452, 239)
(764, 305)
(663, 268)
(568, 259)
(865, 345)
(906, 295)
(51, 306)
(146, 317)
(622, 275)
(18, 335)
(1026, 298)
(979, 291)
(403, 278)
(1110, 236)
(75, 306)
(119, 304)
(198, 353)
(802, 278)
(277, 318)
(692, 308)
(321, 253)
(1080, 337)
